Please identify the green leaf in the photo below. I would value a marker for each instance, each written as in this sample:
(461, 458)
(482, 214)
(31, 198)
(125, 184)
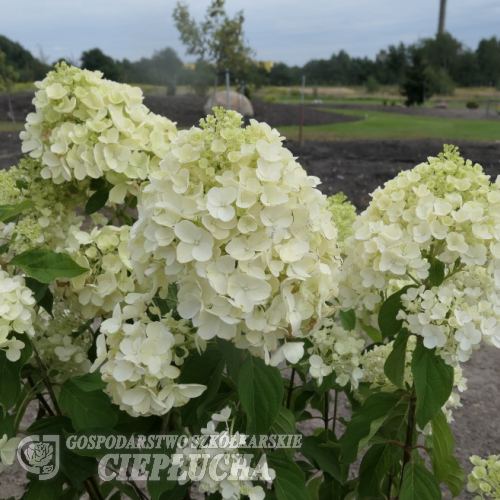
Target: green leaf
(373, 333)
(10, 373)
(436, 272)
(419, 484)
(377, 409)
(41, 293)
(376, 463)
(446, 467)
(394, 367)
(46, 265)
(90, 382)
(260, 389)
(86, 409)
(97, 200)
(38, 490)
(330, 489)
(433, 380)
(284, 423)
(455, 480)
(8, 213)
(348, 319)
(290, 481)
(205, 369)
(313, 487)
(233, 357)
(325, 458)
(388, 323)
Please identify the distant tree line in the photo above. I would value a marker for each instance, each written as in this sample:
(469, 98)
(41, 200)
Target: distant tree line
(440, 63)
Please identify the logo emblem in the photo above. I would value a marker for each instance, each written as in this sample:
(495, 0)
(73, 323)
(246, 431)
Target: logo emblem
(39, 455)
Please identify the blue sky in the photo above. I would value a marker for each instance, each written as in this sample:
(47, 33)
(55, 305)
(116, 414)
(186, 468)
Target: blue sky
(292, 31)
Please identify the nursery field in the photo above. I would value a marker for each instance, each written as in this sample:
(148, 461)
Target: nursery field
(371, 146)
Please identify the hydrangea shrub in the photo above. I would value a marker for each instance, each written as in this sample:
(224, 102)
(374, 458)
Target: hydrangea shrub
(189, 282)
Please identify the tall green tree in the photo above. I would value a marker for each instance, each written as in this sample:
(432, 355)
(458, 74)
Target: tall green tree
(96, 60)
(417, 85)
(488, 58)
(8, 76)
(218, 39)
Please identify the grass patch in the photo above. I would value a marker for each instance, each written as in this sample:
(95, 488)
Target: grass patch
(378, 125)
(11, 126)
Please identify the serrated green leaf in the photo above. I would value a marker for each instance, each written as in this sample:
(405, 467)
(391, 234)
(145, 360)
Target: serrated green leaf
(8, 213)
(97, 200)
(395, 364)
(388, 323)
(46, 265)
(86, 409)
(348, 319)
(89, 382)
(290, 481)
(373, 333)
(330, 489)
(284, 423)
(446, 467)
(376, 462)
(433, 380)
(325, 458)
(260, 390)
(205, 369)
(313, 487)
(436, 272)
(419, 484)
(455, 480)
(10, 373)
(377, 409)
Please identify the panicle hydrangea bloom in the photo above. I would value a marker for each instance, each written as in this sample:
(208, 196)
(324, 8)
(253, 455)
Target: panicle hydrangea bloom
(62, 342)
(86, 126)
(372, 362)
(17, 313)
(336, 350)
(231, 487)
(104, 251)
(445, 212)
(457, 315)
(140, 360)
(49, 212)
(485, 477)
(234, 220)
(8, 448)
(344, 215)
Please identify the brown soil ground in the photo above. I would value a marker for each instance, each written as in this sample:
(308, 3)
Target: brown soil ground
(357, 168)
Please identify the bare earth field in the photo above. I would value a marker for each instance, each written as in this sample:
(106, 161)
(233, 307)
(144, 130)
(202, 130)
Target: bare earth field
(357, 168)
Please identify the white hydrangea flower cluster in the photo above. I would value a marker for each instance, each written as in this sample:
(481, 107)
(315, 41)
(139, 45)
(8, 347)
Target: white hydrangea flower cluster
(336, 350)
(17, 313)
(86, 126)
(446, 208)
(372, 363)
(485, 477)
(236, 221)
(8, 448)
(48, 219)
(104, 251)
(443, 211)
(62, 342)
(457, 315)
(230, 487)
(140, 360)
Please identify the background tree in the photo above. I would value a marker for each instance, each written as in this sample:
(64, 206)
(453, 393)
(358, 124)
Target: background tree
(217, 40)
(96, 60)
(417, 85)
(488, 58)
(8, 76)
